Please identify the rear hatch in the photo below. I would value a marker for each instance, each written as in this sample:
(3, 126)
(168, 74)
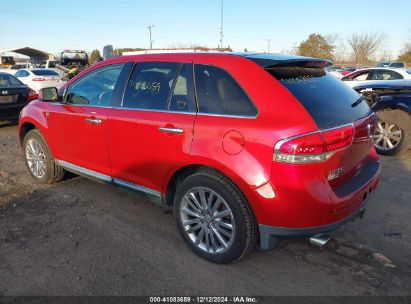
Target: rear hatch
(335, 108)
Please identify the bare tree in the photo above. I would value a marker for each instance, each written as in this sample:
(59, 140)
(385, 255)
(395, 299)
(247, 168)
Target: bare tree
(385, 55)
(365, 45)
(340, 49)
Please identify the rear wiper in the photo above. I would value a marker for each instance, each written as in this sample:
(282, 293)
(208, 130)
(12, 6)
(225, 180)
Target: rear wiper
(358, 101)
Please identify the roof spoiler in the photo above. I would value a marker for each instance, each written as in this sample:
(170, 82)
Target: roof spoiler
(311, 63)
(294, 62)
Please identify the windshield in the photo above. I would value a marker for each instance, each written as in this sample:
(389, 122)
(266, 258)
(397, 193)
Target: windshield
(329, 101)
(80, 56)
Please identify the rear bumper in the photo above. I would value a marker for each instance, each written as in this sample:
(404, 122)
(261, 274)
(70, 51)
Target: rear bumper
(269, 235)
(358, 190)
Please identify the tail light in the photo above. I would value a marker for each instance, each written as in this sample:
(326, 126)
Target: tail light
(32, 95)
(39, 79)
(314, 147)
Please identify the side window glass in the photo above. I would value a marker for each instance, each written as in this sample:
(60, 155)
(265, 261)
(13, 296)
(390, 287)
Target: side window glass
(395, 76)
(361, 76)
(182, 99)
(381, 75)
(149, 85)
(21, 73)
(95, 88)
(219, 93)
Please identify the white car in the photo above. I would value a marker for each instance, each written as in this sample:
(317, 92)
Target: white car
(372, 74)
(37, 79)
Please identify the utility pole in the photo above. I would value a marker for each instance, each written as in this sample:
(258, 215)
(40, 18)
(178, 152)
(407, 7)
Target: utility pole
(268, 45)
(222, 26)
(151, 41)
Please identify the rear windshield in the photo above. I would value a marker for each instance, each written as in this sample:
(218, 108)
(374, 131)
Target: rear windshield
(397, 65)
(44, 73)
(7, 80)
(329, 101)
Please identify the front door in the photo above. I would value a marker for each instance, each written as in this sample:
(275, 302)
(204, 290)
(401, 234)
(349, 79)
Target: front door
(78, 126)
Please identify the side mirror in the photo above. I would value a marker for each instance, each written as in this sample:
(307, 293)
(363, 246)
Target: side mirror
(48, 95)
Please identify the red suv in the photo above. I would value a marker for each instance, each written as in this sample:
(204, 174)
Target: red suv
(241, 146)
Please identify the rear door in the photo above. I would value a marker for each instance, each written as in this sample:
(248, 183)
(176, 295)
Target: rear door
(78, 126)
(151, 130)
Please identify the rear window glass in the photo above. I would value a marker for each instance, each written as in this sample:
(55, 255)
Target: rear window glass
(328, 100)
(44, 73)
(397, 65)
(9, 80)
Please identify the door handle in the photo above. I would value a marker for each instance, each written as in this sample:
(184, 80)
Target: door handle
(93, 121)
(172, 130)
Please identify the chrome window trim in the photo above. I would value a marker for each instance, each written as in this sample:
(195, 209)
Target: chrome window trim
(227, 115)
(56, 103)
(155, 111)
(83, 171)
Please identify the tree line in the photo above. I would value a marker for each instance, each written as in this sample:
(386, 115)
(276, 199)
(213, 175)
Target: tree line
(363, 48)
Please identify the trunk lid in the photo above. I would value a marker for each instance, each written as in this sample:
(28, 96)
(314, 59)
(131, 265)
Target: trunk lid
(13, 95)
(331, 104)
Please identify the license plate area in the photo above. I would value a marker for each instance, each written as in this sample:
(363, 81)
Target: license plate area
(7, 99)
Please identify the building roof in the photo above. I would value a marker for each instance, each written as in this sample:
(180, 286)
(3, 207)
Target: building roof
(30, 52)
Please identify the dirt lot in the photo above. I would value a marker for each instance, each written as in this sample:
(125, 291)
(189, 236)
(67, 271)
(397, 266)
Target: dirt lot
(83, 238)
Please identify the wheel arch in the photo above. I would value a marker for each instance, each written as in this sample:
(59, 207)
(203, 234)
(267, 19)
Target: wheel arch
(395, 115)
(183, 172)
(25, 128)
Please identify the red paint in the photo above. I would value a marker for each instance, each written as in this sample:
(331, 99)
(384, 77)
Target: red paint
(128, 145)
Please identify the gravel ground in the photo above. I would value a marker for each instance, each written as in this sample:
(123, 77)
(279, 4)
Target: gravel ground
(80, 237)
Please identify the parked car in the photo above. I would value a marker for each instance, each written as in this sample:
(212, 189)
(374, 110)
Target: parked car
(391, 101)
(365, 75)
(387, 64)
(239, 146)
(40, 78)
(14, 95)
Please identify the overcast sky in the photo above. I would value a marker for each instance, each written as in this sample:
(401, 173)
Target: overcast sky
(55, 25)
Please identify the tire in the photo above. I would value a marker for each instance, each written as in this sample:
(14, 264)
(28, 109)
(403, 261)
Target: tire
(40, 164)
(227, 200)
(389, 139)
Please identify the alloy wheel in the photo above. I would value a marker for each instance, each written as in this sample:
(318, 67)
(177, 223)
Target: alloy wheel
(387, 136)
(207, 220)
(36, 159)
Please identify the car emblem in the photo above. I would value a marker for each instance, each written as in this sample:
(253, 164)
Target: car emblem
(335, 173)
(4, 92)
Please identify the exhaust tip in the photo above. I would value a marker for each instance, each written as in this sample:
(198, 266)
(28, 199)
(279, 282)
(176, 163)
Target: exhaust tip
(320, 240)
